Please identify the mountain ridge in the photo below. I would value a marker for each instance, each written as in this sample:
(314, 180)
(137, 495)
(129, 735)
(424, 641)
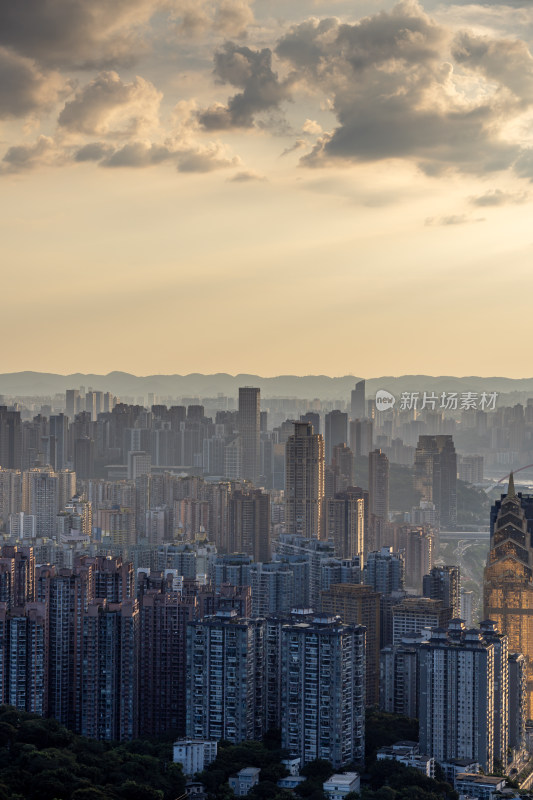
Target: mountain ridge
(33, 383)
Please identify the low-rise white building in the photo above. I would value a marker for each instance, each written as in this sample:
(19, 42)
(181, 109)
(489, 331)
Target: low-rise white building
(194, 754)
(408, 754)
(243, 781)
(338, 786)
(482, 787)
(455, 766)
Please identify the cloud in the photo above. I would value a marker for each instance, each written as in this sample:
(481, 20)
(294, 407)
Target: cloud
(95, 151)
(311, 126)
(498, 198)
(77, 33)
(231, 18)
(43, 152)
(246, 177)
(299, 144)
(187, 157)
(137, 154)
(251, 71)
(506, 61)
(452, 219)
(393, 88)
(108, 106)
(24, 88)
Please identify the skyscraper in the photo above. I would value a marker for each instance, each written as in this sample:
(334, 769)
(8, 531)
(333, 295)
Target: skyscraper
(250, 430)
(508, 581)
(436, 476)
(336, 425)
(357, 404)
(378, 484)
(304, 482)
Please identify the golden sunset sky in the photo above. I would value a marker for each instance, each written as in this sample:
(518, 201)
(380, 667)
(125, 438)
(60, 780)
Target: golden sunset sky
(270, 187)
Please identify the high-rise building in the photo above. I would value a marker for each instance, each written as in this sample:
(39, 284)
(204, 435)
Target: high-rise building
(24, 658)
(109, 671)
(10, 494)
(323, 691)
(304, 482)
(385, 571)
(344, 521)
(10, 439)
(413, 614)
(398, 681)
(492, 636)
(357, 401)
(359, 605)
(417, 544)
(378, 484)
(361, 437)
(249, 526)
(163, 660)
(313, 417)
(40, 498)
(225, 663)
(508, 581)
(59, 441)
(457, 696)
(444, 583)
(436, 476)
(139, 463)
(336, 425)
(250, 430)
(467, 607)
(84, 457)
(517, 701)
(306, 557)
(272, 588)
(72, 403)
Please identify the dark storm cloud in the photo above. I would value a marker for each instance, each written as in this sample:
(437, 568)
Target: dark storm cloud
(24, 88)
(251, 71)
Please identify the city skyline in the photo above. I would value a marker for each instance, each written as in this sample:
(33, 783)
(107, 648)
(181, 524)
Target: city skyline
(169, 166)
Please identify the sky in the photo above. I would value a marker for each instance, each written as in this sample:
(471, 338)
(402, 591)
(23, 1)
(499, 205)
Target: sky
(270, 187)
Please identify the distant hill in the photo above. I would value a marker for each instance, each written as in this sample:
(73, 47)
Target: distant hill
(305, 386)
